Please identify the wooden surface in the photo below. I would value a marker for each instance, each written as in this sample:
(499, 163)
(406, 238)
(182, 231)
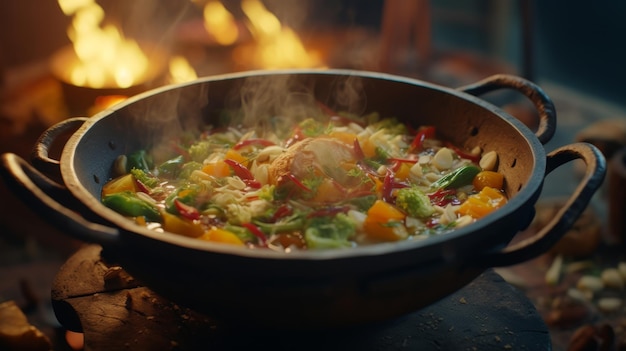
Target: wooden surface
(115, 312)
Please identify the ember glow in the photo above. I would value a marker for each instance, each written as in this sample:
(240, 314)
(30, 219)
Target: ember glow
(103, 56)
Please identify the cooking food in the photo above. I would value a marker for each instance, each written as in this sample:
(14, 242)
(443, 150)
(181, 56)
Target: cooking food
(304, 288)
(333, 181)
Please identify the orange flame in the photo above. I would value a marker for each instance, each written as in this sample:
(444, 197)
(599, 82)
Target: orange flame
(181, 71)
(104, 57)
(278, 46)
(220, 23)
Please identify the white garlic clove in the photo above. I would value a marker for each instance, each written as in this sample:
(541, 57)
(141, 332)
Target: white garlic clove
(489, 161)
(443, 159)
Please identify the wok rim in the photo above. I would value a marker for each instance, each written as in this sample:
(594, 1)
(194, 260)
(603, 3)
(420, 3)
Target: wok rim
(525, 197)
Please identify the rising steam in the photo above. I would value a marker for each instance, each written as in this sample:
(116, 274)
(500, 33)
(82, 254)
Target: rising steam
(273, 102)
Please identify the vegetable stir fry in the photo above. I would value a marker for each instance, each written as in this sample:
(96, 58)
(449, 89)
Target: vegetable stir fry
(335, 182)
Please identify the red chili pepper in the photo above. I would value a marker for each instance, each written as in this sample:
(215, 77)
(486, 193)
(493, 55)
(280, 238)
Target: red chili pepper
(281, 212)
(340, 188)
(249, 142)
(462, 153)
(180, 150)
(388, 187)
(298, 182)
(397, 162)
(358, 151)
(432, 222)
(402, 160)
(256, 231)
(297, 136)
(327, 110)
(240, 170)
(443, 197)
(186, 211)
(425, 132)
(141, 187)
(394, 166)
(398, 185)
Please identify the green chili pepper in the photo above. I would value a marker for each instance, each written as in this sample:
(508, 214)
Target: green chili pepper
(128, 204)
(457, 178)
(140, 160)
(171, 167)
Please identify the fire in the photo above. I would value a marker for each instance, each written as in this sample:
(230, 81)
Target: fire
(104, 57)
(220, 23)
(277, 46)
(181, 71)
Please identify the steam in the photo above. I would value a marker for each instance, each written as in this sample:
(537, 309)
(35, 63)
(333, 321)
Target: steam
(149, 20)
(270, 103)
(349, 94)
(274, 103)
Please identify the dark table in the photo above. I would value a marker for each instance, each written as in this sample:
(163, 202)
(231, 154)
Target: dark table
(114, 311)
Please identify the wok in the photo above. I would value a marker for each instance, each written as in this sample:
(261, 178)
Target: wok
(307, 289)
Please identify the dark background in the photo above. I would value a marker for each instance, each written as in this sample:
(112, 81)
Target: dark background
(579, 44)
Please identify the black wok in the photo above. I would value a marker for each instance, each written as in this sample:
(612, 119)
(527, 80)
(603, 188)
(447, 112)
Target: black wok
(308, 288)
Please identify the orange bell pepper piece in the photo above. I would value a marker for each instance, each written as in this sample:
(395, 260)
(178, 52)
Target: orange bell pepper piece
(217, 169)
(483, 203)
(385, 222)
(488, 178)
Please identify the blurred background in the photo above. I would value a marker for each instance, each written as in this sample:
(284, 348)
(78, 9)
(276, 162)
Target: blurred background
(568, 42)
(65, 58)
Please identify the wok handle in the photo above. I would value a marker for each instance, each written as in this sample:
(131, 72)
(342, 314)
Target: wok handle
(543, 103)
(46, 196)
(544, 239)
(40, 156)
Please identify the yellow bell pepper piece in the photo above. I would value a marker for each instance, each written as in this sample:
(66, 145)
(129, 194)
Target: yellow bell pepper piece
(403, 171)
(120, 184)
(182, 226)
(368, 147)
(345, 137)
(223, 236)
(235, 156)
